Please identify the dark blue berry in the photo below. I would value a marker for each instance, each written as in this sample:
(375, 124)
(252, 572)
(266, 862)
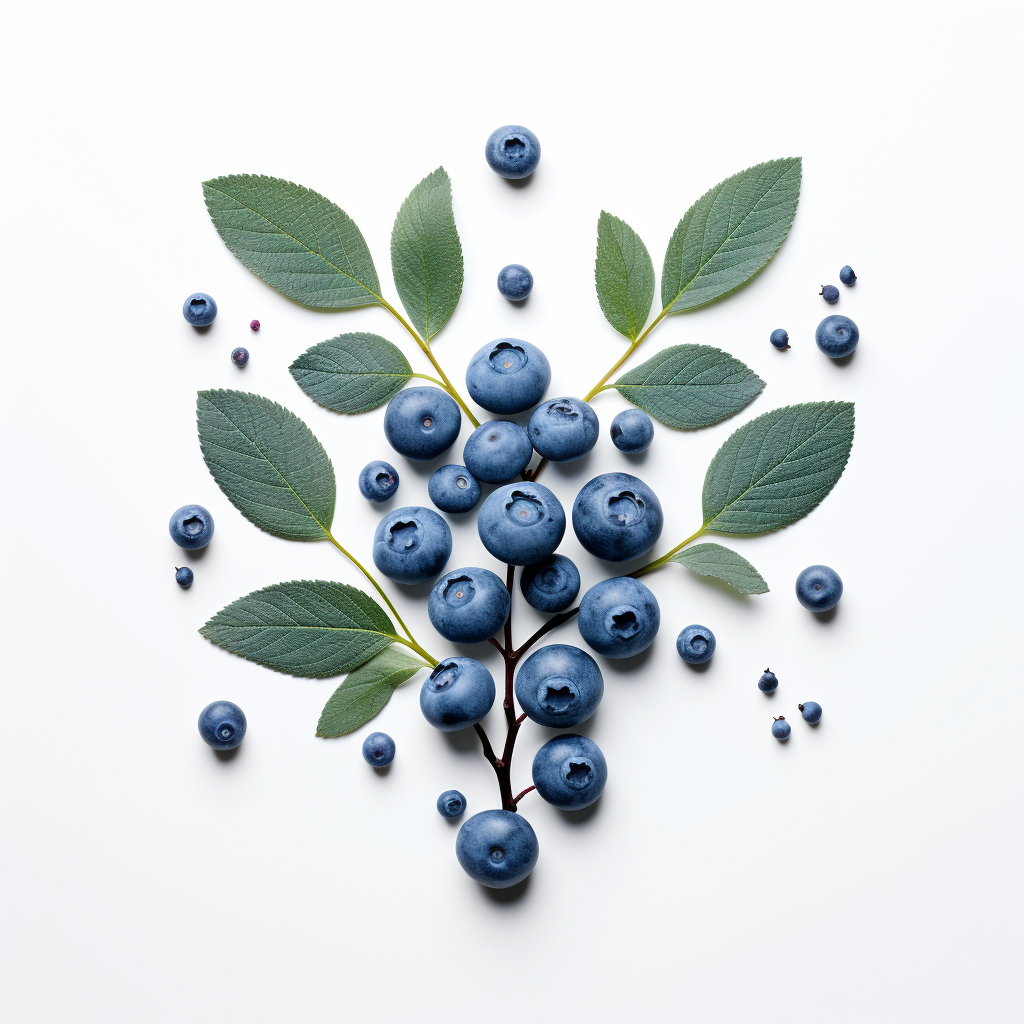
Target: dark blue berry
(453, 489)
(497, 848)
(379, 749)
(378, 481)
(632, 431)
(696, 644)
(222, 724)
(421, 423)
(570, 772)
(829, 292)
(847, 276)
(191, 527)
(513, 151)
(837, 336)
(780, 338)
(616, 516)
(468, 605)
(497, 451)
(551, 584)
(563, 429)
(240, 356)
(559, 686)
(818, 588)
(515, 282)
(451, 803)
(458, 693)
(199, 309)
(811, 711)
(780, 729)
(183, 576)
(521, 523)
(619, 617)
(411, 544)
(768, 683)
(508, 376)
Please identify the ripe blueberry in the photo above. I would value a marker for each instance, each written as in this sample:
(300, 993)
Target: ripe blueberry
(515, 282)
(421, 423)
(780, 338)
(467, 606)
(379, 749)
(780, 729)
(239, 356)
(497, 451)
(837, 336)
(559, 686)
(632, 431)
(551, 584)
(199, 309)
(563, 429)
(497, 848)
(453, 489)
(183, 576)
(818, 588)
(829, 292)
(695, 645)
(521, 523)
(570, 772)
(191, 527)
(222, 724)
(513, 151)
(411, 544)
(769, 682)
(847, 276)
(619, 617)
(811, 711)
(457, 694)
(451, 803)
(378, 481)
(616, 516)
(508, 376)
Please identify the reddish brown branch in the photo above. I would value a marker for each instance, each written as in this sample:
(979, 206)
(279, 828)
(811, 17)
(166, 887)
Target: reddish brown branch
(524, 792)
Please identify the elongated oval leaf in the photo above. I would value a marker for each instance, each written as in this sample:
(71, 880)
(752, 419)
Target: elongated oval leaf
(777, 468)
(624, 275)
(426, 254)
(268, 463)
(729, 234)
(720, 562)
(366, 691)
(690, 386)
(310, 628)
(295, 239)
(352, 372)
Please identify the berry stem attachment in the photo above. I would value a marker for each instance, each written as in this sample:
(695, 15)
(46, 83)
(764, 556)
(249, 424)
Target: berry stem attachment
(659, 562)
(528, 789)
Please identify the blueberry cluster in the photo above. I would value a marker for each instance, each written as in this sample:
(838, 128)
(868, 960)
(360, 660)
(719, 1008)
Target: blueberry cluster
(836, 336)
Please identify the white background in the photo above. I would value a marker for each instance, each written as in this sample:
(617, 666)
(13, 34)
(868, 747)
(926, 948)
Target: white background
(869, 869)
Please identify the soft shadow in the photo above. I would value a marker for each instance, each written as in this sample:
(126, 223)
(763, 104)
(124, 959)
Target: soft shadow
(639, 458)
(826, 617)
(627, 666)
(702, 667)
(196, 555)
(509, 895)
(419, 590)
(228, 755)
(844, 360)
(465, 741)
(582, 816)
(382, 771)
(203, 330)
(518, 303)
(521, 182)
(576, 468)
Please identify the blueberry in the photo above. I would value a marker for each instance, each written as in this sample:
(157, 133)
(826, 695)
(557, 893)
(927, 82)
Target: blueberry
(378, 481)
(508, 376)
(183, 576)
(829, 292)
(695, 645)
(563, 429)
(818, 588)
(616, 516)
(515, 282)
(421, 423)
(811, 711)
(513, 151)
(468, 605)
(768, 683)
(239, 356)
(847, 276)
(837, 336)
(780, 729)
(453, 489)
(559, 686)
(497, 848)
(632, 431)
(254, 325)
(199, 309)
(521, 523)
(222, 725)
(451, 803)
(619, 617)
(457, 694)
(551, 584)
(780, 338)
(379, 749)
(570, 772)
(191, 527)
(497, 451)
(411, 544)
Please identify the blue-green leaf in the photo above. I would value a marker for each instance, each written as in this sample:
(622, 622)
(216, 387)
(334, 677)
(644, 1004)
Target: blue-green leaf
(724, 564)
(624, 275)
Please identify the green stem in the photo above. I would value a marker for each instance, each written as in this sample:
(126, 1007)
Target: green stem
(634, 345)
(433, 380)
(659, 562)
(445, 382)
(419, 650)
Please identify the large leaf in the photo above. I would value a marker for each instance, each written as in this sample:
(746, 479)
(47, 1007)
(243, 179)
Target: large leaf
(729, 234)
(624, 275)
(310, 628)
(295, 239)
(426, 254)
(268, 462)
(715, 560)
(690, 386)
(364, 693)
(776, 468)
(352, 372)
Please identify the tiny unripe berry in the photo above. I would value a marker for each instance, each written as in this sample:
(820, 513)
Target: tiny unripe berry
(240, 356)
(254, 325)
(829, 292)
(780, 338)
(768, 682)
(780, 729)
(847, 276)
(183, 576)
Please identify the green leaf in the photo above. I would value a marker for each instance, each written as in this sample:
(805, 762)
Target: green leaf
(777, 468)
(295, 239)
(364, 693)
(426, 254)
(352, 372)
(690, 386)
(624, 275)
(268, 463)
(309, 628)
(715, 560)
(729, 234)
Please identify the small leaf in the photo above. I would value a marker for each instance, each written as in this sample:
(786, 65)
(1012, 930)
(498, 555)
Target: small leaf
(352, 372)
(729, 234)
(268, 463)
(777, 468)
(299, 242)
(426, 254)
(364, 693)
(715, 560)
(310, 628)
(624, 275)
(690, 386)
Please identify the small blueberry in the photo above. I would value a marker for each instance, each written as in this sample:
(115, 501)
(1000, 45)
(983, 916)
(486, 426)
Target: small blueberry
(254, 325)
(818, 588)
(378, 481)
(191, 527)
(379, 749)
(551, 584)
(780, 729)
(199, 309)
(811, 711)
(780, 338)
(847, 276)
(632, 431)
(240, 356)
(829, 292)
(222, 724)
(768, 683)
(515, 282)
(696, 644)
(451, 803)
(184, 576)
(513, 151)
(837, 336)
(453, 489)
